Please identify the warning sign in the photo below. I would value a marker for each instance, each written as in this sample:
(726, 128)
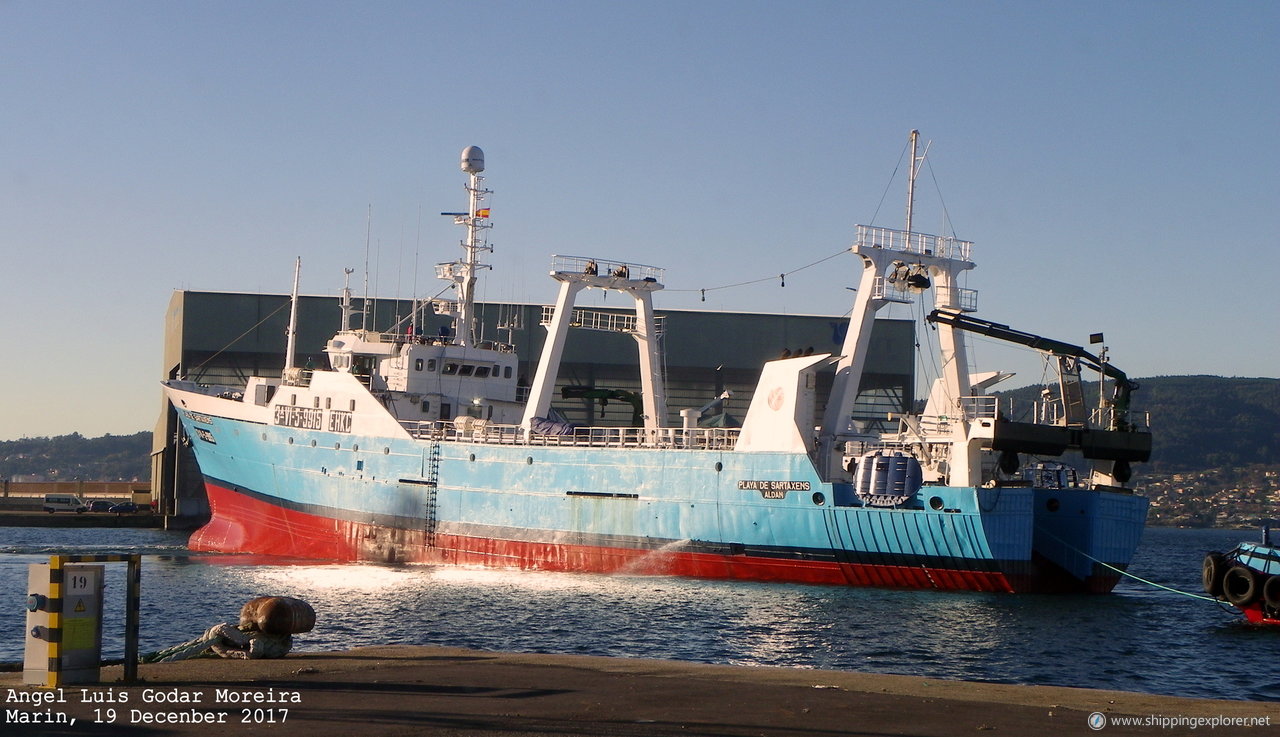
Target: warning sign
(80, 605)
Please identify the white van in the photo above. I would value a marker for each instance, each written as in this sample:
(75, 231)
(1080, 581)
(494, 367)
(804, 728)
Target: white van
(64, 503)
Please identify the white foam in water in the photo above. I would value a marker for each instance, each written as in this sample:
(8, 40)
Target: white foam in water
(1116, 641)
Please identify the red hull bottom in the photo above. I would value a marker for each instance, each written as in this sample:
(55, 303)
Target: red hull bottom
(1256, 613)
(242, 524)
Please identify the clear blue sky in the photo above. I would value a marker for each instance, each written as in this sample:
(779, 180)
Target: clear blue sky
(1115, 163)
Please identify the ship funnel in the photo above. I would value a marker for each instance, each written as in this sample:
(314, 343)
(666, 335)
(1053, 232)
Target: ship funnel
(472, 160)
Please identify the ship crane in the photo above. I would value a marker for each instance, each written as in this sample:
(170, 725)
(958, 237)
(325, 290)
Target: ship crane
(1124, 387)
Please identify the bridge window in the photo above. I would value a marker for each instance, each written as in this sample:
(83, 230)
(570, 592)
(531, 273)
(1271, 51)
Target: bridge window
(466, 369)
(431, 364)
(450, 369)
(506, 372)
(426, 406)
(482, 372)
(446, 411)
(417, 364)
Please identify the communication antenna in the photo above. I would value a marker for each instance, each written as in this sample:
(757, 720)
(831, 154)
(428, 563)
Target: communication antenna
(364, 306)
(463, 271)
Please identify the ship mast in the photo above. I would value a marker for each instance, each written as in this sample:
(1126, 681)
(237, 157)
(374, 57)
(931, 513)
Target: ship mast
(463, 271)
(911, 179)
(897, 264)
(292, 337)
(916, 163)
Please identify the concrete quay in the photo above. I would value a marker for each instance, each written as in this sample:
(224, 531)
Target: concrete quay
(10, 518)
(448, 692)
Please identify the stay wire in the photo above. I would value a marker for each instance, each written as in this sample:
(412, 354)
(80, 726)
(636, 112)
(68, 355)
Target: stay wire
(888, 185)
(764, 278)
(238, 337)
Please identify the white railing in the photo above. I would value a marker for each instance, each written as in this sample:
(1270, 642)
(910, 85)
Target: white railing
(965, 300)
(1104, 417)
(921, 243)
(708, 438)
(910, 446)
(452, 270)
(984, 407)
(604, 267)
(609, 322)
(889, 291)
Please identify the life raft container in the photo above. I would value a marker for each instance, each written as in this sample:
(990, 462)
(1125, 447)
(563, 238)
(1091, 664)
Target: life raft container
(887, 479)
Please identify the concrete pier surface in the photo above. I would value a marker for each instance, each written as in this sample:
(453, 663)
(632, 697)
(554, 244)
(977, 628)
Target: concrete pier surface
(402, 690)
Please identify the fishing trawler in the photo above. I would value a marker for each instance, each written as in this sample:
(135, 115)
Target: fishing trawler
(416, 448)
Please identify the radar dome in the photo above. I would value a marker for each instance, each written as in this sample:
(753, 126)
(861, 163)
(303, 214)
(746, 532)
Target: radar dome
(472, 160)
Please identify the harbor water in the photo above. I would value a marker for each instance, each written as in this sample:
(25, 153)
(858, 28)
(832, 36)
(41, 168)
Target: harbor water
(1140, 638)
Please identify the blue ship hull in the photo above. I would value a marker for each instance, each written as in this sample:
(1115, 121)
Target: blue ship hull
(714, 513)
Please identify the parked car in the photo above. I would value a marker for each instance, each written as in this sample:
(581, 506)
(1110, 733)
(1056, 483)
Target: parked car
(124, 508)
(64, 503)
(101, 505)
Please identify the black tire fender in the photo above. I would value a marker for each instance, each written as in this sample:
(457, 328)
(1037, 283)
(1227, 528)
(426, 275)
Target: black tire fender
(1271, 592)
(1241, 586)
(1215, 567)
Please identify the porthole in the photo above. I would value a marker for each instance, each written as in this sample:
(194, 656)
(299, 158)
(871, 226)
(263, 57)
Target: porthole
(337, 446)
(290, 441)
(355, 448)
(719, 466)
(1053, 504)
(472, 457)
(264, 437)
(935, 503)
(386, 451)
(529, 460)
(819, 498)
(313, 443)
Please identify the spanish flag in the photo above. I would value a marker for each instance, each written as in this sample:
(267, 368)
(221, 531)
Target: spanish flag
(484, 213)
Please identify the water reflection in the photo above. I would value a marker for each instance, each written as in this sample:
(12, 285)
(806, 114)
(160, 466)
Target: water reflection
(1139, 638)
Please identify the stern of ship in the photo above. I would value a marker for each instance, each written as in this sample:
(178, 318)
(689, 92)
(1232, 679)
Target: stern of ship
(1085, 538)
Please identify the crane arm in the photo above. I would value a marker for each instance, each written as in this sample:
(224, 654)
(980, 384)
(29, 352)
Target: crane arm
(960, 321)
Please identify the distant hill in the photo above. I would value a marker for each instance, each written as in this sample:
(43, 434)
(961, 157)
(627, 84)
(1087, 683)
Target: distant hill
(1203, 422)
(77, 458)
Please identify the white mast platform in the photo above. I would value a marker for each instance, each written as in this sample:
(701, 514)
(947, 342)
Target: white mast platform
(576, 273)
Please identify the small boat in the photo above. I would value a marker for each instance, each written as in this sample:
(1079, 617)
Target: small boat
(1248, 578)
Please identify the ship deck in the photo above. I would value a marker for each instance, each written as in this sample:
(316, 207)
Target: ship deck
(479, 431)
